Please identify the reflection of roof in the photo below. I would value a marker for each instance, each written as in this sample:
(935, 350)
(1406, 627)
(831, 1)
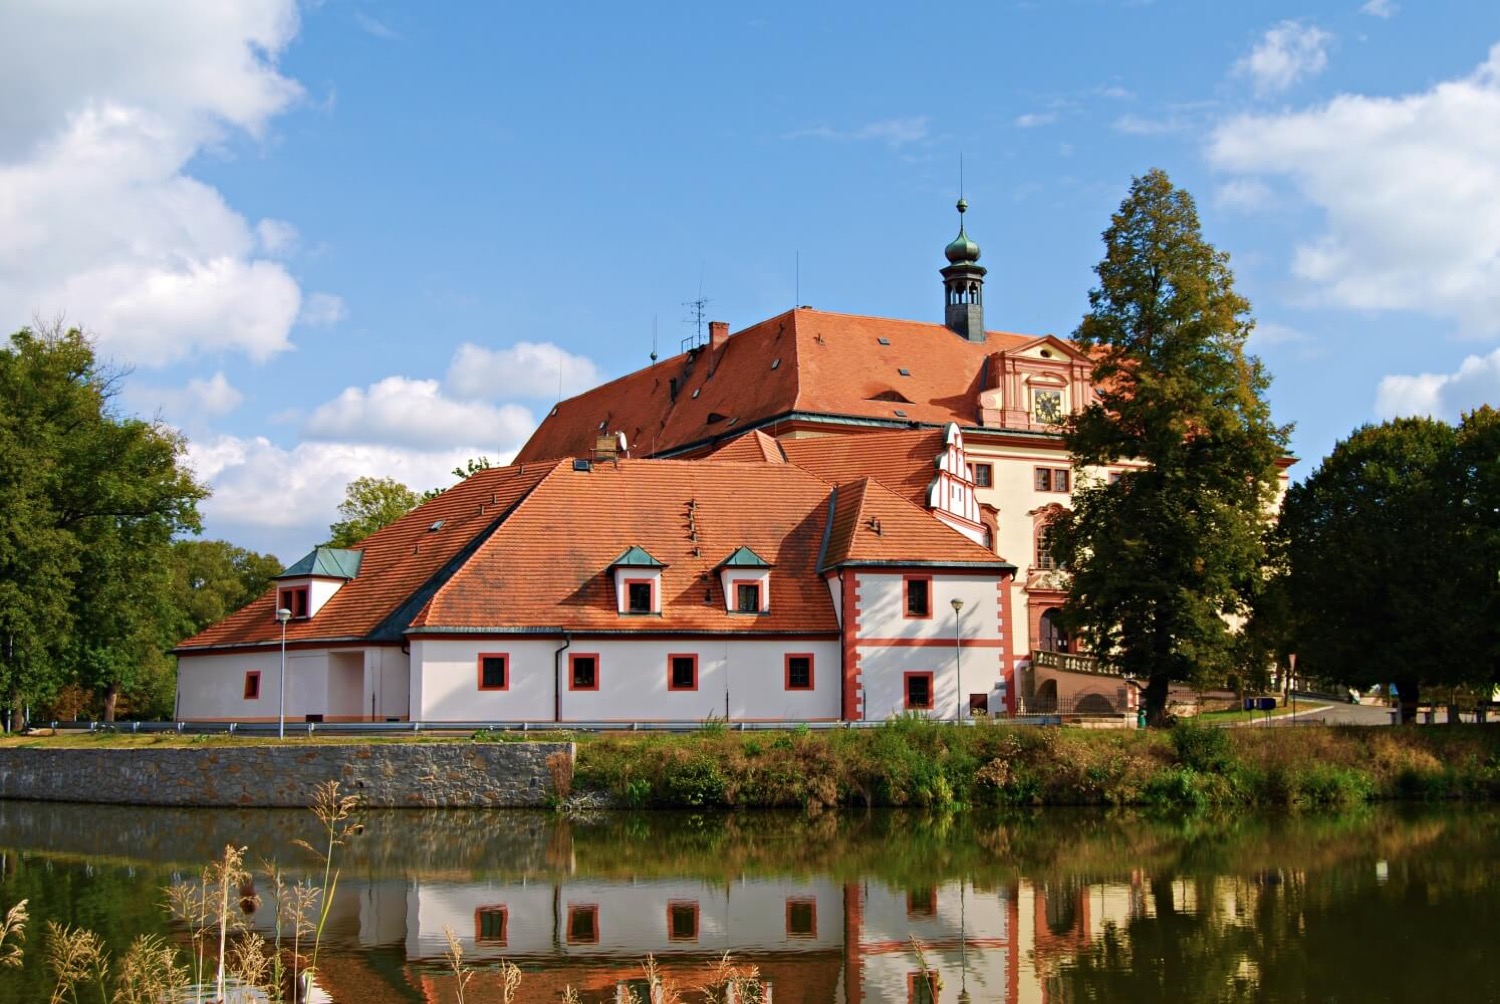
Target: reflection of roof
(327, 562)
(872, 369)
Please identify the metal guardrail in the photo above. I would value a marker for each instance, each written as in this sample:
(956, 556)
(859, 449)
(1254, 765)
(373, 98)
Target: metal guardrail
(305, 729)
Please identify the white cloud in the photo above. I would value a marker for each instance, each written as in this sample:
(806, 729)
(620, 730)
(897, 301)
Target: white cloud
(892, 132)
(186, 407)
(1115, 92)
(101, 109)
(322, 309)
(1287, 53)
(1441, 395)
(1033, 119)
(1379, 8)
(1244, 193)
(1268, 333)
(270, 498)
(414, 413)
(1409, 187)
(525, 370)
(376, 27)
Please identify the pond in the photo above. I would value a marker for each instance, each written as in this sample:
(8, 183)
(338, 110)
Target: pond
(1392, 903)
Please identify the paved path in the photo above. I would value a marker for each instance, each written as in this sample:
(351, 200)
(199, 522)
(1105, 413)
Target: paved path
(1337, 714)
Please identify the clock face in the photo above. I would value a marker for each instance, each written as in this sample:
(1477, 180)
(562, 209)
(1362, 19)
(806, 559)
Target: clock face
(1046, 406)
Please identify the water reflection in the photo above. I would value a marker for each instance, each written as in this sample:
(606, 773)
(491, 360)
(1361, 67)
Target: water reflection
(1053, 906)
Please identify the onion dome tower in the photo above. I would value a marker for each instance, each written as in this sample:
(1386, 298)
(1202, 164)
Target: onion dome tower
(963, 284)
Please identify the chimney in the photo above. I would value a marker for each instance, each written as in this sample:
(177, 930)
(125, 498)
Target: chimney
(718, 336)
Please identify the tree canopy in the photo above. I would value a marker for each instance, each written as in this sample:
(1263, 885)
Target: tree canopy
(89, 503)
(1160, 557)
(1393, 548)
(369, 504)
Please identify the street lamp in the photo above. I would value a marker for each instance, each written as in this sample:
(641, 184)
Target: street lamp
(958, 655)
(282, 616)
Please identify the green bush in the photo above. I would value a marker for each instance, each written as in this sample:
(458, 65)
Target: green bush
(695, 782)
(1205, 749)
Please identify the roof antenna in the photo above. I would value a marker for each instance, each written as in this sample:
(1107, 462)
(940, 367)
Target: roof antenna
(798, 301)
(653, 339)
(697, 310)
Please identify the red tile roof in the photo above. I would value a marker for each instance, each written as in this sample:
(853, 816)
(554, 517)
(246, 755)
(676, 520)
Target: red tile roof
(905, 460)
(873, 525)
(549, 565)
(398, 561)
(752, 447)
(802, 361)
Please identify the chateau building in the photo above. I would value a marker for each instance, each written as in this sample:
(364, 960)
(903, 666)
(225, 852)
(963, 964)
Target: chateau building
(820, 517)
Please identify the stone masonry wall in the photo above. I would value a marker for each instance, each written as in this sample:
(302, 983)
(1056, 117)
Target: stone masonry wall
(396, 775)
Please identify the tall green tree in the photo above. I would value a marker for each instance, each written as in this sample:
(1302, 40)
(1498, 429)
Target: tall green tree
(211, 579)
(369, 504)
(1161, 557)
(89, 502)
(1393, 548)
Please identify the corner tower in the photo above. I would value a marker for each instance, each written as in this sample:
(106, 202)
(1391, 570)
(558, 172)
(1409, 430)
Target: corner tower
(963, 285)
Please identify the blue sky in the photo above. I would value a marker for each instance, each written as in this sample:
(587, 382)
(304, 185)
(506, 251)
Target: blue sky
(341, 238)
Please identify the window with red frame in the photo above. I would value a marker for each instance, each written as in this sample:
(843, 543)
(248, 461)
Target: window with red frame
(1052, 479)
(1044, 558)
(583, 925)
(747, 597)
(494, 671)
(919, 597)
(638, 598)
(799, 672)
(583, 672)
(921, 902)
(252, 685)
(801, 918)
(490, 925)
(682, 921)
(682, 672)
(918, 691)
(922, 987)
(983, 475)
(295, 600)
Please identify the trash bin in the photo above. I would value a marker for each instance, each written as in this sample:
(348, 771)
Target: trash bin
(1140, 718)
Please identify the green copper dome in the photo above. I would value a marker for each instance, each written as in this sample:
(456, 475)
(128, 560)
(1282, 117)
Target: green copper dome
(961, 250)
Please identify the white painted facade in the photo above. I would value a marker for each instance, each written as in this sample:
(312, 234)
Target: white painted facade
(357, 683)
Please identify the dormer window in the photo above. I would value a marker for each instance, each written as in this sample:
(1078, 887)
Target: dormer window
(637, 583)
(294, 599)
(746, 579)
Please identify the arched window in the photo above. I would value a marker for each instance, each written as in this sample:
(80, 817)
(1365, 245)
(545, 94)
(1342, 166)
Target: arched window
(1052, 637)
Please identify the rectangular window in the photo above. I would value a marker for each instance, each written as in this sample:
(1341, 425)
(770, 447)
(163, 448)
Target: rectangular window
(921, 987)
(921, 902)
(638, 597)
(747, 597)
(801, 918)
(490, 925)
(583, 925)
(682, 921)
(918, 691)
(1052, 479)
(984, 475)
(583, 672)
(493, 673)
(682, 672)
(918, 596)
(252, 685)
(1044, 558)
(799, 672)
(295, 600)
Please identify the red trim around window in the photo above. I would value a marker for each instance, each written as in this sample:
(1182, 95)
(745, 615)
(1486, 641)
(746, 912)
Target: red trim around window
(576, 915)
(760, 595)
(651, 604)
(252, 684)
(906, 581)
(906, 679)
(988, 481)
(808, 930)
(680, 908)
(480, 913)
(787, 668)
(504, 669)
(573, 670)
(672, 670)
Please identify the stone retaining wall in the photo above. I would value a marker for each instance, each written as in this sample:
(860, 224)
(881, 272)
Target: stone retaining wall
(395, 775)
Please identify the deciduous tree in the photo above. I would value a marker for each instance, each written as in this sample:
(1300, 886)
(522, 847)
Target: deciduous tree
(1162, 556)
(369, 504)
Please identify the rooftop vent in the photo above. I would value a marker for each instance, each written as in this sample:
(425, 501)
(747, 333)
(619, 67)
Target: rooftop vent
(900, 413)
(776, 363)
(696, 392)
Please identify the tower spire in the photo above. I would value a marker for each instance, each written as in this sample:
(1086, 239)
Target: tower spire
(963, 281)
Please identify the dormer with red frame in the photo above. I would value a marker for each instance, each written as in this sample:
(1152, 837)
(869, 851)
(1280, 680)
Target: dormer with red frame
(637, 583)
(306, 585)
(746, 580)
(1036, 386)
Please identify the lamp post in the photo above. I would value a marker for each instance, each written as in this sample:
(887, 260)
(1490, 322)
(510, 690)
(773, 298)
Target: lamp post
(958, 655)
(282, 616)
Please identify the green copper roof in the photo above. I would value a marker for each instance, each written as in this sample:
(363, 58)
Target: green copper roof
(743, 557)
(327, 562)
(962, 250)
(634, 557)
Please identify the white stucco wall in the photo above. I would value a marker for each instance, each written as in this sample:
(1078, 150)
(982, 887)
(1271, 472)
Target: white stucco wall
(211, 687)
(743, 678)
(890, 644)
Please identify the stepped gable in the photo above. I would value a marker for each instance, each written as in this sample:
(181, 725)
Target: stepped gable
(803, 362)
(904, 461)
(872, 525)
(753, 447)
(549, 565)
(398, 560)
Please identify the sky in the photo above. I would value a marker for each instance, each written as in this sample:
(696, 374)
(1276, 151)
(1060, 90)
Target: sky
(343, 238)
